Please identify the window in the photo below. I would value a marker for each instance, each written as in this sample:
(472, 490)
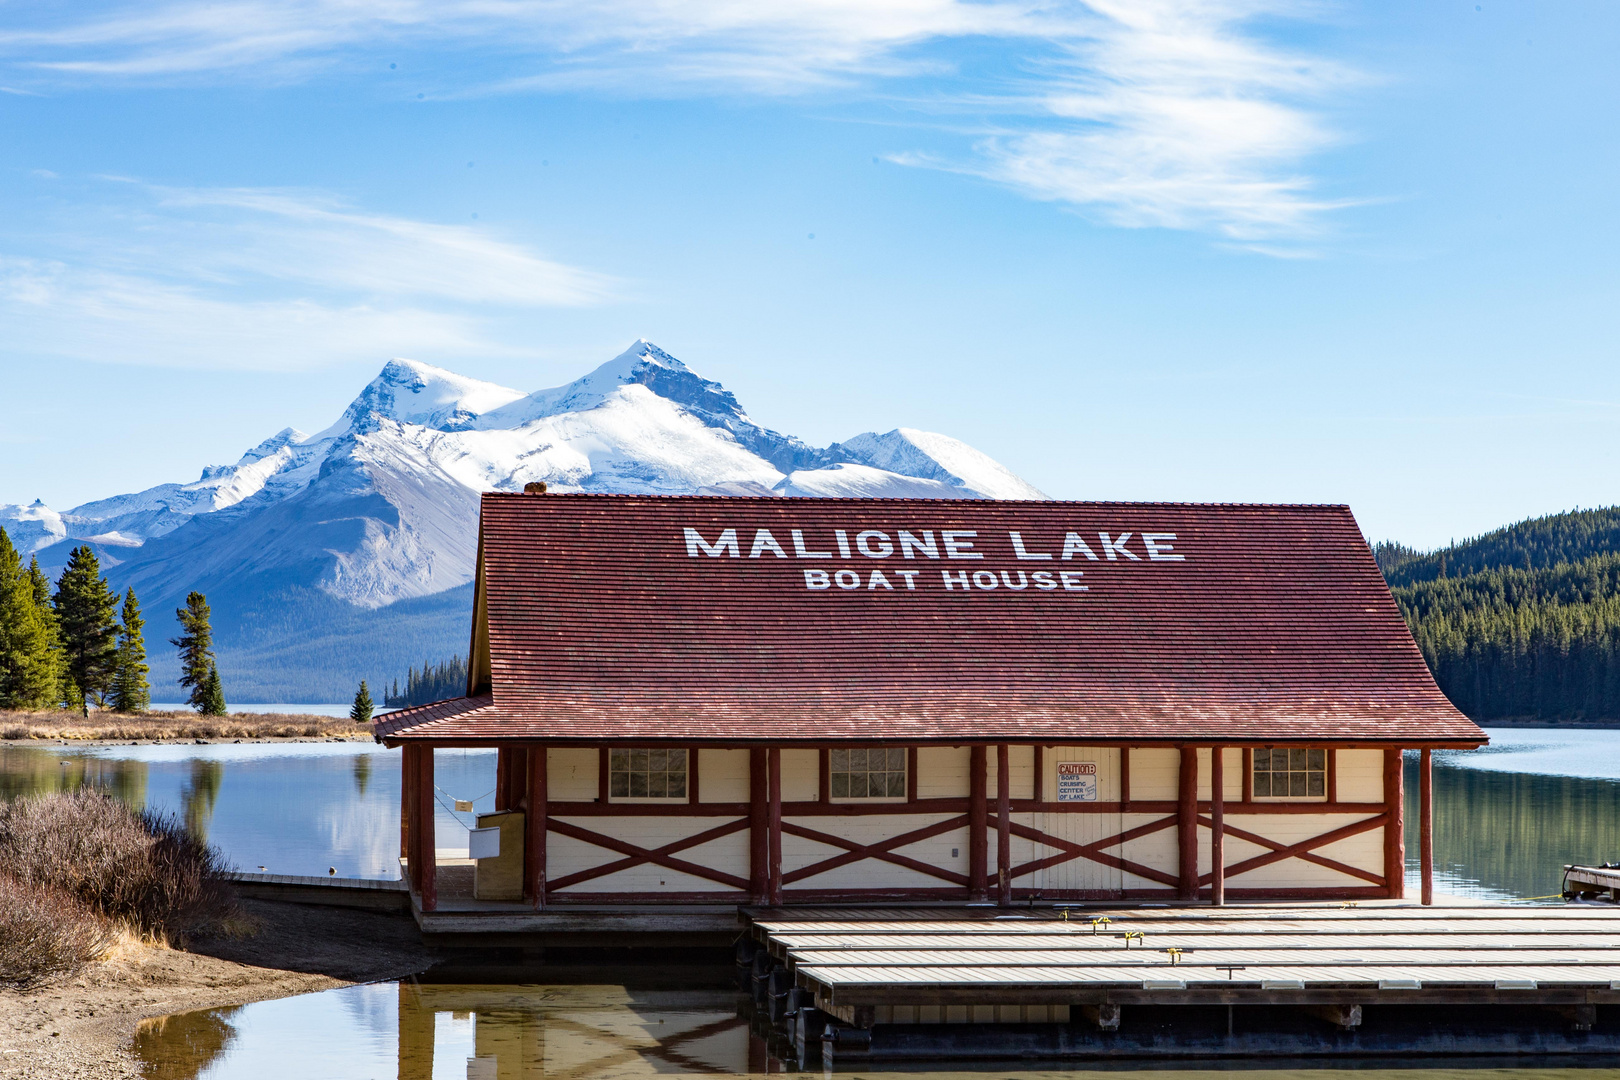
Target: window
(647, 774)
(1290, 774)
(867, 774)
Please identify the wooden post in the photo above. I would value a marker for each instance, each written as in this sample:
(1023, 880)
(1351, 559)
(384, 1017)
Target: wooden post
(1217, 822)
(775, 760)
(1187, 823)
(1003, 825)
(1426, 827)
(978, 822)
(759, 813)
(1394, 824)
(503, 779)
(1125, 779)
(426, 843)
(407, 765)
(534, 828)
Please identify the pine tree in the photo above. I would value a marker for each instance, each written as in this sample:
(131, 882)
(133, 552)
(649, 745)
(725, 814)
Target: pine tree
(27, 637)
(87, 622)
(213, 703)
(196, 645)
(361, 713)
(130, 690)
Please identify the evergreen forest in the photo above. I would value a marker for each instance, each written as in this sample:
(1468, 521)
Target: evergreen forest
(81, 645)
(434, 682)
(1522, 623)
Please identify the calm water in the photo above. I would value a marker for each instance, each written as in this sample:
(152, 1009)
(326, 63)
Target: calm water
(291, 808)
(449, 1032)
(1506, 819)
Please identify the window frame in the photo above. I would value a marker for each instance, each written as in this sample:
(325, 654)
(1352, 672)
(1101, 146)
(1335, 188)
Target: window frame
(890, 754)
(659, 800)
(1325, 769)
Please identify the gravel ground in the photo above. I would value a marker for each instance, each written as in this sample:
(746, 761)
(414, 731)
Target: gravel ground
(84, 1026)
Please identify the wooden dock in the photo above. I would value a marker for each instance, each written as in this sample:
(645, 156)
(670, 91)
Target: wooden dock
(1517, 977)
(1592, 882)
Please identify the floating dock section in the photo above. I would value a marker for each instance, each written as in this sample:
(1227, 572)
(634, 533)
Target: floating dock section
(877, 984)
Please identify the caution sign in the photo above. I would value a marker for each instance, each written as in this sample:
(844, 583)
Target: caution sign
(1077, 781)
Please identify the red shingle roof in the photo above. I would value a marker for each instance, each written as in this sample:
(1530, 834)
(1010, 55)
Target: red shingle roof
(816, 620)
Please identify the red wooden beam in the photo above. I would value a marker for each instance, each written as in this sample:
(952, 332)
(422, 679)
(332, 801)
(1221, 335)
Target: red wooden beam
(1426, 825)
(759, 843)
(978, 820)
(503, 761)
(1003, 825)
(534, 828)
(639, 855)
(1395, 830)
(1332, 775)
(1187, 824)
(883, 851)
(911, 774)
(1040, 774)
(1125, 779)
(1248, 774)
(692, 776)
(775, 759)
(426, 843)
(1217, 826)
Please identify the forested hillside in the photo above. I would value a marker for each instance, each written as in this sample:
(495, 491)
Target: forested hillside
(1522, 623)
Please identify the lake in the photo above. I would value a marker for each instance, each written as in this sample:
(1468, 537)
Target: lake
(1506, 819)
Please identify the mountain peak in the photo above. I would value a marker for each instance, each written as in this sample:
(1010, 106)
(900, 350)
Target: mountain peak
(413, 392)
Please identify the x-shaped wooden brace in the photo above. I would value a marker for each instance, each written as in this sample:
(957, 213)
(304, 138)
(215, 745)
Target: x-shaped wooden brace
(640, 855)
(1277, 852)
(882, 850)
(1094, 851)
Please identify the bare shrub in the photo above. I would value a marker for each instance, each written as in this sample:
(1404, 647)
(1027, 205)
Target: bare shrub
(15, 731)
(46, 932)
(142, 869)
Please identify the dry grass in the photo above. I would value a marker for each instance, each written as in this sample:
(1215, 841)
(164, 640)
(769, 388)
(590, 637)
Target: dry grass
(46, 932)
(174, 726)
(79, 865)
(142, 869)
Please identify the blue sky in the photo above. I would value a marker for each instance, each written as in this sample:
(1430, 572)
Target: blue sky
(1206, 250)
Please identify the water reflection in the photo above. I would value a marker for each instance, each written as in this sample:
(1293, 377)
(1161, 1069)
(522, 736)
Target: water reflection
(482, 1032)
(200, 794)
(292, 808)
(179, 1047)
(1505, 834)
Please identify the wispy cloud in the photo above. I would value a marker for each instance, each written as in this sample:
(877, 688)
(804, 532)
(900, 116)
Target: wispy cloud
(262, 279)
(1179, 114)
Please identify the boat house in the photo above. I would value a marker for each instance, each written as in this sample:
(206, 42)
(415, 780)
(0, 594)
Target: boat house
(757, 701)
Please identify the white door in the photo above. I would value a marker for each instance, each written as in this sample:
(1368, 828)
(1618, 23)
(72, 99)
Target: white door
(1086, 779)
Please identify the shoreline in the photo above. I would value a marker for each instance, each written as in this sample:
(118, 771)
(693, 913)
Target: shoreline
(87, 1025)
(175, 727)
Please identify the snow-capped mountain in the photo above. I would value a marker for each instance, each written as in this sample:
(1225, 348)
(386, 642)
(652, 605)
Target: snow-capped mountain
(381, 508)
